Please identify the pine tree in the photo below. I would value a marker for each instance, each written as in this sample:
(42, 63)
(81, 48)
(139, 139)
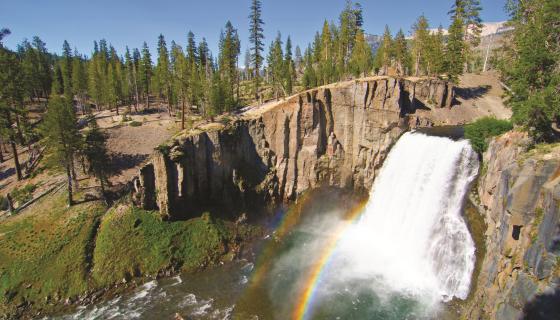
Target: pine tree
(256, 38)
(455, 50)
(57, 83)
(63, 137)
(43, 71)
(217, 97)
(79, 80)
(435, 58)
(420, 44)
(298, 60)
(145, 72)
(317, 48)
(351, 21)
(112, 95)
(96, 154)
(309, 74)
(275, 63)
(289, 68)
(469, 12)
(162, 73)
(95, 90)
(326, 64)
(131, 78)
(181, 70)
(11, 98)
(192, 54)
(230, 48)
(66, 67)
(530, 67)
(3, 33)
(27, 62)
(247, 66)
(361, 60)
(402, 56)
(385, 52)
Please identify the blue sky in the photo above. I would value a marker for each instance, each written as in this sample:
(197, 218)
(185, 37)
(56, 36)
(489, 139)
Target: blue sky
(124, 22)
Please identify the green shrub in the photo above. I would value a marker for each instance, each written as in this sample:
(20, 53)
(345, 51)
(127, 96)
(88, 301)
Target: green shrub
(481, 130)
(24, 194)
(126, 118)
(135, 124)
(3, 203)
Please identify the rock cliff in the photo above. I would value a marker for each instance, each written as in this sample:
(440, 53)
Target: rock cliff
(336, 135)
(519, 191)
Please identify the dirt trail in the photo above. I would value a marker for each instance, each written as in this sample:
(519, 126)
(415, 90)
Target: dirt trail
(477, 95)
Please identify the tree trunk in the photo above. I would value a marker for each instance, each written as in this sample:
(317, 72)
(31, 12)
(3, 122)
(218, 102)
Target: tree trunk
(74, 175)
(69, 178)
(147, 99)
(237, 78)
(1, 151)
(135, 90)
(183, 115)
(16, 159)
(19, 133)
(11, 208)
(417, 67)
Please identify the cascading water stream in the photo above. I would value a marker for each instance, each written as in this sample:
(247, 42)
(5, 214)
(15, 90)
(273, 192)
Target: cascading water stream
(412, 236)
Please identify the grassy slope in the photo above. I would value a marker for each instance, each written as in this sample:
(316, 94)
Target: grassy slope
(59, 252)
(43, 253)
(144, 244)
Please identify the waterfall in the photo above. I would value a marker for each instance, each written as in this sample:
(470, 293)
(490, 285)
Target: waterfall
(412, 234)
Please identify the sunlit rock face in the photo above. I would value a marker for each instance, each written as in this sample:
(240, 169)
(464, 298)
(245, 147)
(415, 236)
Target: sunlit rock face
(336, 135)
(519, 191)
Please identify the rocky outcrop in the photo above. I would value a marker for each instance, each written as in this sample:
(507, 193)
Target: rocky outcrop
(336, 135)
(519, 194)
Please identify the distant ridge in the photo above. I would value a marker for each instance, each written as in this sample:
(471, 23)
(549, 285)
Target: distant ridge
(488, 29)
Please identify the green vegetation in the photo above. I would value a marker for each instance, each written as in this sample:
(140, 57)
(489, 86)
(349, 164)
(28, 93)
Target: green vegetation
(55, 252)
(95, 153)
(24, 194)
(539, 216)
(63, 138)
(530, 66)
(43, 253)
(146, 245)
(481, 130)
(256, 38)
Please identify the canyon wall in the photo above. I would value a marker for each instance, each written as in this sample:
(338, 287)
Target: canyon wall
(336, 135)
(519, 191)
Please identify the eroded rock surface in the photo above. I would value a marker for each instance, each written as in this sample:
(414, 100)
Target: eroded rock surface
(519, 193)
(336, 135)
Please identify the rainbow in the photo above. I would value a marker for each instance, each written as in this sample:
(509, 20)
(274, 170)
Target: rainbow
(309, 289)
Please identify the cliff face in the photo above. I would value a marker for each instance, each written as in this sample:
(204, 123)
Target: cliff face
(336, 135)
(519, 194)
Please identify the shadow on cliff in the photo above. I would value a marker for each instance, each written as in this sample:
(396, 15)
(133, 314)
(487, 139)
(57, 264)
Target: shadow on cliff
(471, 92)
(223, 175)
(123, 161)
(543, 307)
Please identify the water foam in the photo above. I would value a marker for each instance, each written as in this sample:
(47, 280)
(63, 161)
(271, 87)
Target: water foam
(412, 236)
